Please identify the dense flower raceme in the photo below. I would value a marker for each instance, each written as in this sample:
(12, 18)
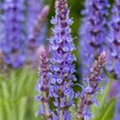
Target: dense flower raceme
(39, 22)
(1, 31)
(92, 32)
(34, 9)
(88, 95)
(57, 76)
(43, 84)
(12, 41)
(61, 62)
(36, 26)
(16, 41)
(113, 41)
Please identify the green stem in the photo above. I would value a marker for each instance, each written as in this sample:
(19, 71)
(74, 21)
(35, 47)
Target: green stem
(47, 114)
(61, 115)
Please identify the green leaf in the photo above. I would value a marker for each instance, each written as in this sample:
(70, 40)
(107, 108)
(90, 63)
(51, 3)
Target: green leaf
(97, 111)
(12, 85)
(5, 93)
(21, 83)
(107, 113)
(22, 108)
(7, 111)
(73, 111)
(105, 93)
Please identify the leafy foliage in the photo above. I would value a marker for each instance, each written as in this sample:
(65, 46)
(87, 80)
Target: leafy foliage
(106, 108)
(17, 90)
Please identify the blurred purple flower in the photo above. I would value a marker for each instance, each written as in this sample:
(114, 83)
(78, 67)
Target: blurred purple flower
(34, 9)
(13, 38)
(113, 89)
(88, 95)
(1, 25)
(36, 26)
(113, 41)
(92, 32)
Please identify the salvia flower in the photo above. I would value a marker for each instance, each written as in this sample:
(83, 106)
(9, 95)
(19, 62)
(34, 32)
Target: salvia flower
(33, 41)
(62, 68)
(43, 85)
(41, 18)
(92, 32)
(34, 9)
(1, 25)
(36, 28)
(14, 39)
(88, 95)
(113, 42)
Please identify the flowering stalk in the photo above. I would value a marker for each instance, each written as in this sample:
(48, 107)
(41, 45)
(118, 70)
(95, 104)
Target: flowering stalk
(34, 9)
(88, 94)
(92, 32)
(113, 42)
(43, 85)
(13, 43)
(1, 24)
(40, 20)
(36, 26)
(61, 62)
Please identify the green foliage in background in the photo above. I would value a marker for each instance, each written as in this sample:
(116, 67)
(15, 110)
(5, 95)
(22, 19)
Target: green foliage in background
(106, 108)
(17, 93)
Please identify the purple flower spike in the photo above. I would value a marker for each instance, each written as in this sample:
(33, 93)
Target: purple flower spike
(113, 42)
(13, 39)
(36, 26)
(34, 9)
(92, 32)
(61, 62)
(1, 26)
(89, 93)
(43, 85)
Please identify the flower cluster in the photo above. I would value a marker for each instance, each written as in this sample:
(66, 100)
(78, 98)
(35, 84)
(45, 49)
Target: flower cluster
(17, 42)
(35, 26)
(57, 76)
(88, 95)
(36, 32)
(13, 41)
(34, 9)
(92, 32)
(61, 61)
(43, 85)
(113, 41)
(1, 25)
